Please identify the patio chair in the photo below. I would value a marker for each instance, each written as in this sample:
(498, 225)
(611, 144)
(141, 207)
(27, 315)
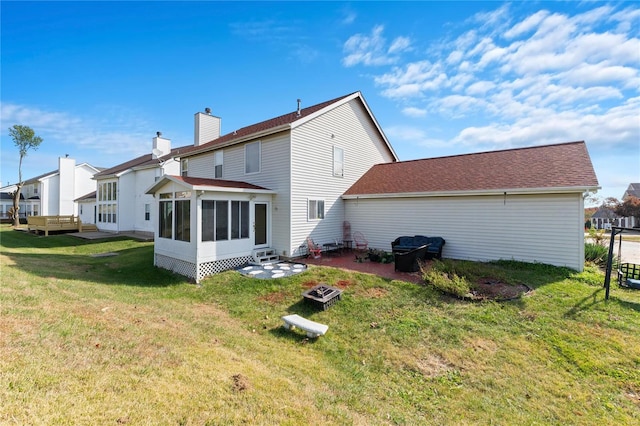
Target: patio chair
(408, 261)
(360, 241)
(314, 250)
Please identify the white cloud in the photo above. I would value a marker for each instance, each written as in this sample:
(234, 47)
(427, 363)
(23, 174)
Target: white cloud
(414, 112)
(402, 135)
(371, 50)
(400, 44)
(118, 133)
(528, 25)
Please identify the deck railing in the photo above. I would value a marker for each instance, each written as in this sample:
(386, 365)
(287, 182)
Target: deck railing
(54, 223)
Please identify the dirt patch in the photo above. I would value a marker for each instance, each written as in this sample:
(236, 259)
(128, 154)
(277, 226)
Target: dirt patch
(377, 292)
(489, 288)
(274, 298)
(343, 284)
(309, 284)
(240, 382)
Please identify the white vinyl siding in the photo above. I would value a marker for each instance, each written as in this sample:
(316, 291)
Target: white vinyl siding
(276, 160)
(312, 167)
(531, 228)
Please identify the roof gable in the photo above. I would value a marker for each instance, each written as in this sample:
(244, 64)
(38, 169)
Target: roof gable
(559, 166)
(632, 191)
(141, 161)
(280, 123)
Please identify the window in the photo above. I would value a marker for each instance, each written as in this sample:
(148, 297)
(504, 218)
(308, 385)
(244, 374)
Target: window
(316, 209)
(183, 220)
(184, 167)
(338, 161)
(252, 158)
(217, 164)
(239, 220)
(147, 212)
(166, 217)
(224, 220)
(107, 205)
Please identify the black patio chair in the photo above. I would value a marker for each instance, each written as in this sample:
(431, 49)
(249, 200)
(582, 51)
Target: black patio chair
(408, 262)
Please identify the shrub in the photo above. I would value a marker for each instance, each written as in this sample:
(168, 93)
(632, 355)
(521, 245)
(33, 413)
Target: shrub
(596, 253)
(445, 280)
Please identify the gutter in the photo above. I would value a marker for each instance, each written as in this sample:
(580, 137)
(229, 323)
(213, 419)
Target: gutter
(480, 192)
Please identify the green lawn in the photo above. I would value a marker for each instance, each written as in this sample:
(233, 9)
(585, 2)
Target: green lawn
(112, 340)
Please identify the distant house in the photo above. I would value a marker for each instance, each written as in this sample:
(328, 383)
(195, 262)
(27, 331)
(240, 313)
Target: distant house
(120, 203)
(266, 187)
(605, 218)
(53, 193)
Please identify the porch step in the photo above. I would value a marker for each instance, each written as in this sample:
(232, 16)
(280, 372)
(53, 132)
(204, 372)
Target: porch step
(266, 255)
(89, 227)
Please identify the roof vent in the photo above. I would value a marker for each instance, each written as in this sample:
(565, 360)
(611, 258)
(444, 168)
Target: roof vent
(158, 134)
(299, 107)
(207, 111)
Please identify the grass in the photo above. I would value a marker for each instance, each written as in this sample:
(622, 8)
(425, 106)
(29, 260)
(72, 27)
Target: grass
(112, 340)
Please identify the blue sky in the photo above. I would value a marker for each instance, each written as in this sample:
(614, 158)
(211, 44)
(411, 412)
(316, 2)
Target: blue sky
(96, 80)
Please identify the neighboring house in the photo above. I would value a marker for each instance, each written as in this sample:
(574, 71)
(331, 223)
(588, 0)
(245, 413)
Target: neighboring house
(605, 218)
(524, 204)
(6, 203)
(121, 204)
(267, 187)
(54, 193)
(87, 211)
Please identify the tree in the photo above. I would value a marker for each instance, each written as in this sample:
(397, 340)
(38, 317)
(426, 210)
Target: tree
(629, 208)
(25, 139)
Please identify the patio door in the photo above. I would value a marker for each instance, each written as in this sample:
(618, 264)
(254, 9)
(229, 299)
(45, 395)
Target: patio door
(260, 224)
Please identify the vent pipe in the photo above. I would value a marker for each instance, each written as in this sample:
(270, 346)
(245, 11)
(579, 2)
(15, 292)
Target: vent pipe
(299, 107)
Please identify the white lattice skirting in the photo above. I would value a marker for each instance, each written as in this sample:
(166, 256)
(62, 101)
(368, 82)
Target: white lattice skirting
(198, 272)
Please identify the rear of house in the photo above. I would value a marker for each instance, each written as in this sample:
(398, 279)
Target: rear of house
(263, 189)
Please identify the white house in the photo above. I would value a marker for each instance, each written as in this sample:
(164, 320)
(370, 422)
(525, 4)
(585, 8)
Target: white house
(267, 187)
(121, 204)
(53, 193)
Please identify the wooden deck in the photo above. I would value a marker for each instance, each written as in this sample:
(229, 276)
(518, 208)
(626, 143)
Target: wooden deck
(47, 224)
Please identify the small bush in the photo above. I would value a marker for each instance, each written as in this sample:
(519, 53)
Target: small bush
(596, 253)
(445, 280)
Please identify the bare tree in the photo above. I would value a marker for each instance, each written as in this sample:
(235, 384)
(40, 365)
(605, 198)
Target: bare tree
(25, 139)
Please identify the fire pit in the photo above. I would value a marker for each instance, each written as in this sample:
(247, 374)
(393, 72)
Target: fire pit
(322, 296)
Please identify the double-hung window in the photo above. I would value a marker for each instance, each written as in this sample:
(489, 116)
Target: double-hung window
(252, 158)
(184, 167)
(218, 161)
(315, 209)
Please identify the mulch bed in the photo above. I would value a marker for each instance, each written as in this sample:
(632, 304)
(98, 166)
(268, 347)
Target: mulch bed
(494, 289)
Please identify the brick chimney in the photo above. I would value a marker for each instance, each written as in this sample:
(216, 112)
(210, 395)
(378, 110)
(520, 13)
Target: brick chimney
(207, 127)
